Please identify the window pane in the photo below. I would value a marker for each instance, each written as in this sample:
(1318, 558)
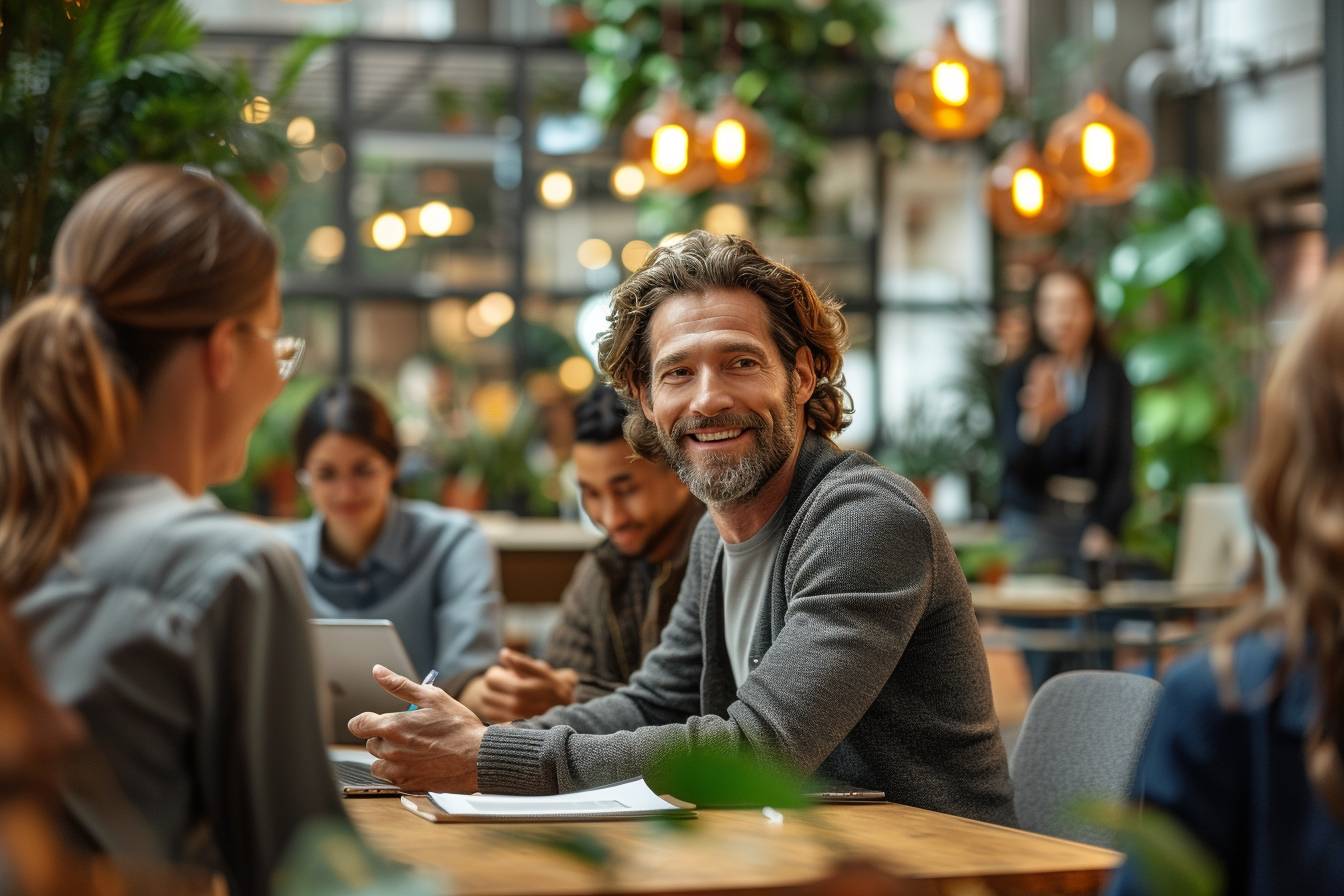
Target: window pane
(935, 235)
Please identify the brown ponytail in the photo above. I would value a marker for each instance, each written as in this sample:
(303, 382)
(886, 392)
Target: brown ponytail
(150, 256)
(1296, 488)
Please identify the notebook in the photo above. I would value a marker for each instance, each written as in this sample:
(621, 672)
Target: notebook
(629, 799)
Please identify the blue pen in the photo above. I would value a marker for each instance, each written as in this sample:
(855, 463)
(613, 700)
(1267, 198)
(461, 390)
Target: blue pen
(429, 680)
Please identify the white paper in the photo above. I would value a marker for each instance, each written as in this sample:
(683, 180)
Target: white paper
(625, 799)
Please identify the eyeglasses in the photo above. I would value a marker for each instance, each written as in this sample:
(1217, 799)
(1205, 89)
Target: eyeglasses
(362, 475)
(288, 349)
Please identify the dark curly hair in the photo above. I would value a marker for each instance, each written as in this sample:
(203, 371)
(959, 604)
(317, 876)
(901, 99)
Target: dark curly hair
(702, 261)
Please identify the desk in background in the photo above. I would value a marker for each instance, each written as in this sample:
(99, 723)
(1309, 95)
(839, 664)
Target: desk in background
(1052, 597)
(536, 556)
(727, 851)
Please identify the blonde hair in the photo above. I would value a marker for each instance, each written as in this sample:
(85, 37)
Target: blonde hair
(1296, 488)
(701, 261)
(148, 257)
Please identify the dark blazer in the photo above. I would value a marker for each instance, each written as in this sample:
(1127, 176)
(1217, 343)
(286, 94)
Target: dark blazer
(1236, 777)
(1095, 442)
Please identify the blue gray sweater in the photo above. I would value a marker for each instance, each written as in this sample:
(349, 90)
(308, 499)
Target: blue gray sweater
(866, 665)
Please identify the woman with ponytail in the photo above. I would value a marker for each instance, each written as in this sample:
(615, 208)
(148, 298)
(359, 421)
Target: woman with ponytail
(1247, 749)
(176, 631)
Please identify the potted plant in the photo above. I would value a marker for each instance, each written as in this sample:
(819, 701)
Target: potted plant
(921, 448)
(451, 108)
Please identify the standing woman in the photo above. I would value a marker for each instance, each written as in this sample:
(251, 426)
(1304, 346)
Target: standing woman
(1066, 434)
(176, 631)
(1247, 747)
(371, 555)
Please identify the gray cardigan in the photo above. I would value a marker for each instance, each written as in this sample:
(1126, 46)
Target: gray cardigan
(867, 663)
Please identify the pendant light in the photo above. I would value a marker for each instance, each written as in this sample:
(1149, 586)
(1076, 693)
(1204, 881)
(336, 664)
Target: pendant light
(663, 141)
(738, 140)
(1025, 195)
(945, 93)
(1103, 152)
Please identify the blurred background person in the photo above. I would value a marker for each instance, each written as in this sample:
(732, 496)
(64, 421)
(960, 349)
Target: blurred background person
(615, 606)
(369, 554)
(177, 631)
(1066, 435)
(1247, 748)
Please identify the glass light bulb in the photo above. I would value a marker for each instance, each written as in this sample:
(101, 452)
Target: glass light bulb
(951, 83)
(1098, 149)
(556, 189)
(671, 151)
(435, 218)
(389, 231)
(1028, 192)
(627, 181)
(730, 143)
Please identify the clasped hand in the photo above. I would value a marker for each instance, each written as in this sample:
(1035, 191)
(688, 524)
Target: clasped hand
(1041, 396)
(432, 748)
(520, 687)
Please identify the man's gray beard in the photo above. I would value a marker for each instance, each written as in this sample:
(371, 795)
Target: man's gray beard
(730, 481)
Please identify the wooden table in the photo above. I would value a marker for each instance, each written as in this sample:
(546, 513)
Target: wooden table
(740, 851)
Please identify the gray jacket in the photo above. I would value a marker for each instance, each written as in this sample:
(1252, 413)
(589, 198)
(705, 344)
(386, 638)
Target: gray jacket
(866, 666)
(180, 635)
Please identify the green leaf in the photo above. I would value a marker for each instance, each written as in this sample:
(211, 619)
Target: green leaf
(750, 85)
(1164, 354)
(1157, 415)
(718, 776)
(582, 846)
(327, 857)
(1168, 859)
(297, 57)
(1199, 411)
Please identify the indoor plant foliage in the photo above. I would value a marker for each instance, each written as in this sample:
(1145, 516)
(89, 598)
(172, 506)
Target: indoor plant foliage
(767, 55)
(87, 87)
(1184, 291)
(923, 446)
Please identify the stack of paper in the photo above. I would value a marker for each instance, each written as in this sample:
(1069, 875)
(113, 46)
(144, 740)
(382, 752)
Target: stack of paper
(629, 799)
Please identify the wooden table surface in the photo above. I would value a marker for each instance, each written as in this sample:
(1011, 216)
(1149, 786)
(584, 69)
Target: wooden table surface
(740, 851)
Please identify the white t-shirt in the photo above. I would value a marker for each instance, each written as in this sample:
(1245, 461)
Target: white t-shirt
(746, 581)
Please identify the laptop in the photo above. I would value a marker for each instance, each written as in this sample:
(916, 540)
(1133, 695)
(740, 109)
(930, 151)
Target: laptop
(346, 651)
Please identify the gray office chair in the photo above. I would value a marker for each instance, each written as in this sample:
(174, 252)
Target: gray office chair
(1082, 738)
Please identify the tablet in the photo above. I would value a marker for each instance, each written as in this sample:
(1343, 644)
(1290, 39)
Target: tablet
(346, 651)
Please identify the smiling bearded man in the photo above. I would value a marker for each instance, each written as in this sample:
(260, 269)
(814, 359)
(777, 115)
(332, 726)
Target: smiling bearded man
(823, 619)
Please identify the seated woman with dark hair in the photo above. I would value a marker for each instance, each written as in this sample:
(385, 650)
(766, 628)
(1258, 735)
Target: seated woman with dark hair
(369, 554)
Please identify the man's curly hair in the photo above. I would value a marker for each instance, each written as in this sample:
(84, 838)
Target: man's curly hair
(702, 261)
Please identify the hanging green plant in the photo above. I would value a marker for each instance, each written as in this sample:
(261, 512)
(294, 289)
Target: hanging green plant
(768, 56)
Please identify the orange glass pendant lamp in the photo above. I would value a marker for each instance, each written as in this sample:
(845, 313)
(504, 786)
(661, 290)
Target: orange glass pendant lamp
(664, 142)
(945, 93)
(1025, 195)
(1103, 152)
(738, 139)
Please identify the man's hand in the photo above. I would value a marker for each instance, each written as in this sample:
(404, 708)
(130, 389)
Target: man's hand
(431, 748)
(520, 687)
